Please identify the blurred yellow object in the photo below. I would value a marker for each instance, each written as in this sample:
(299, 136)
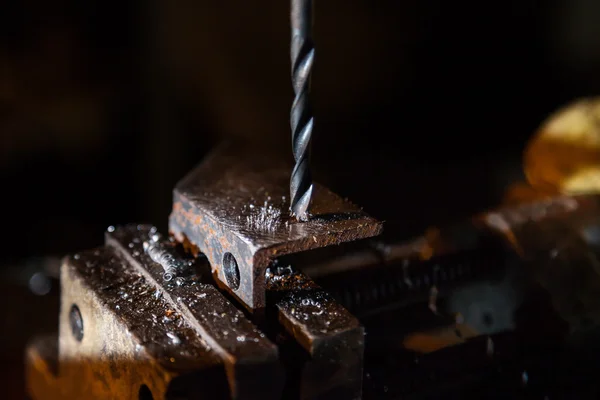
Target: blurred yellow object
(564, 155)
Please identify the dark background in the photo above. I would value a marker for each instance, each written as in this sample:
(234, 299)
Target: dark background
(422, 111)
(420, 106)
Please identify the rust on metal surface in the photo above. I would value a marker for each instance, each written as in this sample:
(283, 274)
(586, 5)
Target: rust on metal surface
(251, 360)
(333, 338)
(126, 295)
(182, 337)
(131, 338)
(177, 338)
(236, 202)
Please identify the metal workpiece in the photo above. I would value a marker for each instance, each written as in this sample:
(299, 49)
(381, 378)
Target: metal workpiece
(233, 208)
(250, 359)
(332, 337)
(301, 117)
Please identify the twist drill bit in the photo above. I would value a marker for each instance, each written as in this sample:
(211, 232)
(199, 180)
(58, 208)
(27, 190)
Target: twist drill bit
(301, 119)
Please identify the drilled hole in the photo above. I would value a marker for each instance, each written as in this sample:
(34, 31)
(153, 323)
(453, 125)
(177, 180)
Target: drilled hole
(76, 322)
(231, 271)
(145, 393)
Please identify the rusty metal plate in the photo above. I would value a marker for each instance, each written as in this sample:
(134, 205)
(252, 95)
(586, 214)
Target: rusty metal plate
(234, 207)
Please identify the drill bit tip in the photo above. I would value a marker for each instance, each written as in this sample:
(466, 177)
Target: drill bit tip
(299, 207)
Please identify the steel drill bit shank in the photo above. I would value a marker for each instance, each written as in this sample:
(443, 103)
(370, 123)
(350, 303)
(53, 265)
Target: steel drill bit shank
(301, 118)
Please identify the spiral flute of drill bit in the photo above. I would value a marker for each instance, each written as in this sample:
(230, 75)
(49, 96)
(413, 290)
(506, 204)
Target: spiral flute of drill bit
(301, 118)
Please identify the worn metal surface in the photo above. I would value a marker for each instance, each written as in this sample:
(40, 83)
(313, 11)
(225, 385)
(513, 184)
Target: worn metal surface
(236, 202)
(250, 358)
(320, 343)
(332, 337)
(180, 339)
(127, 337)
